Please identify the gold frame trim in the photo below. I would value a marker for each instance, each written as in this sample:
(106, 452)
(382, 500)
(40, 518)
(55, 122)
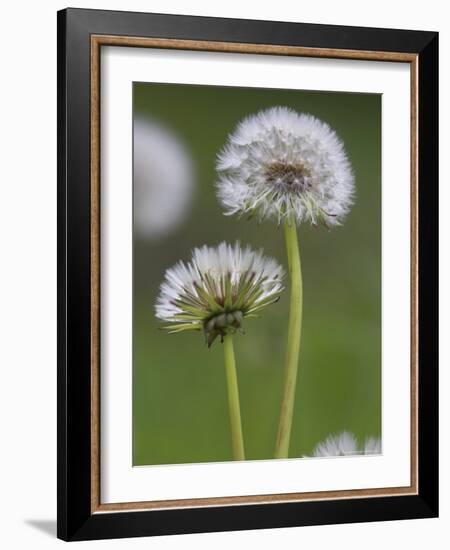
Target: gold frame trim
(97, 41)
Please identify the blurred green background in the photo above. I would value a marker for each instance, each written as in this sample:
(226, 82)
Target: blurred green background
(180, 412)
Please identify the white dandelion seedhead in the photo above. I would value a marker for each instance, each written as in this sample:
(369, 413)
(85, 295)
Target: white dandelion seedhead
(345, 444)
(163, 180)
(280, 164)
(217, 289)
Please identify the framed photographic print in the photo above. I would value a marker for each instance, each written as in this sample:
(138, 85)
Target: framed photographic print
(247, 252)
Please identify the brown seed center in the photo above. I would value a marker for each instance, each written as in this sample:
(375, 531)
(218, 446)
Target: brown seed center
(292, 175)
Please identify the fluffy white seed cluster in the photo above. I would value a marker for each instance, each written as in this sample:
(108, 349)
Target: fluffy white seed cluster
(280, 164)
(163, 180)
(217, 289)
(345, 444)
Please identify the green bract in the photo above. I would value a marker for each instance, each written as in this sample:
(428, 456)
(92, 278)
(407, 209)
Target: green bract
(217, 289)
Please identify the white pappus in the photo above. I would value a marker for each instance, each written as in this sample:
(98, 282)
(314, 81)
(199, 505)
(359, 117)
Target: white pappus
(345, 444)
(217, 289)
(281, 164)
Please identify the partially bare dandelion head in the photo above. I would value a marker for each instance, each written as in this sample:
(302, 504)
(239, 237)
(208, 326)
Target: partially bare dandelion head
(217, 289)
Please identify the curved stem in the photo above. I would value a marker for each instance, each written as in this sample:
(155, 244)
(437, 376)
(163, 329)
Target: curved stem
(293, 343)
(237, 439)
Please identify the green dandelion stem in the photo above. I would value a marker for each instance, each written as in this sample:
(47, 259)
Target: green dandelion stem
(293, 343)
(237, 439)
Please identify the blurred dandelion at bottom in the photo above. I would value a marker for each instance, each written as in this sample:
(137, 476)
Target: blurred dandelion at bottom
(345, 444)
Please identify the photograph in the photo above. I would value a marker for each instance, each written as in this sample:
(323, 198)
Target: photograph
(256, 274)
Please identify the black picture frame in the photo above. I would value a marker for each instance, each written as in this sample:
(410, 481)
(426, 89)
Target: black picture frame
(75, 477)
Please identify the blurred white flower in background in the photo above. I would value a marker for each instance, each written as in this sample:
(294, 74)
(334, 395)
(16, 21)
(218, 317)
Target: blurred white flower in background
(345, 444)
(163, 180)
